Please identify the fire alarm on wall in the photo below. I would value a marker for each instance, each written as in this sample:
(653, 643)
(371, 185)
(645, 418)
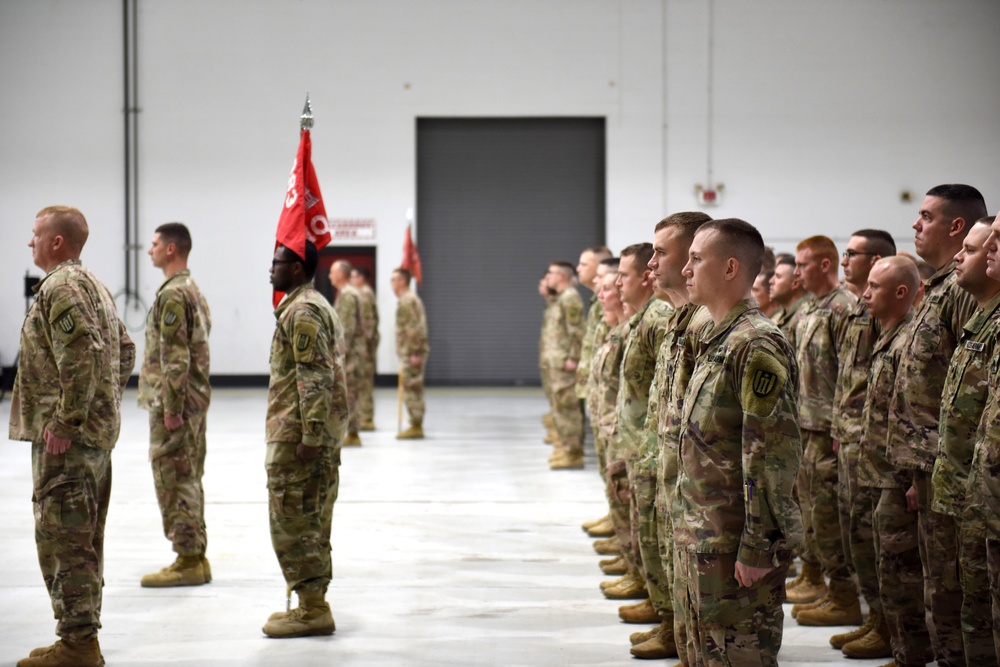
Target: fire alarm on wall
(709, 196)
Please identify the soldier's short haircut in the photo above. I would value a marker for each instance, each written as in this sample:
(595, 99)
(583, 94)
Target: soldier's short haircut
(877, 241)
(784, 259)
(567, 268)
(739, 239)
(363, 272)
(686, 222)
(404, 274)
(343, 266)
(69, 223)
(923, 268)
(643, 252)
(600, 252)
(311, 261)
(178, 234)
(611, 263)
(963, 201)
(903, 269)
(822, 247)
(768, 264)
(987, 220)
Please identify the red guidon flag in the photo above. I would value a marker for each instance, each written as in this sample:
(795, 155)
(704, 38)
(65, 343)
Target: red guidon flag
(411, 258)
(303, 217)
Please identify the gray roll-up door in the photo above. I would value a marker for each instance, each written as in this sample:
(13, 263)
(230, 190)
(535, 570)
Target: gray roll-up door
(497, 200)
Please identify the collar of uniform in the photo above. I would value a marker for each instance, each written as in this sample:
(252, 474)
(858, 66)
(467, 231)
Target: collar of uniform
(982, 316)
(819, 302)
(289, 297)
(727, 323)
(886, 337)
(940, 275)
(54, 270)
(181, 273)
(635, 319)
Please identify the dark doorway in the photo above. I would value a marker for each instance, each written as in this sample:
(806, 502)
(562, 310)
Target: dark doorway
(497, 200)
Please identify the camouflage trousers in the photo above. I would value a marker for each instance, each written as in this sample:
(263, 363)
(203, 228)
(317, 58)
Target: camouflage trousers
(366, 392)
(862, 539)
(413, 388)
(901, 578)
(300, 508)
(619, 493)
(727, 624)
(993, 565)
(644, 491)
(942, 583)
(566, 411)
(70, 494)
(353, 372)
(977, 628)
(178, 462)
(818, 490)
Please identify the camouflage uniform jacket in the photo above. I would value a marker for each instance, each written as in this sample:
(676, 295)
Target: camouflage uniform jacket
(307, 396)
(816, 338)
(349, 312)
(647, 329)
(595, 317)
(75, 360)
(606, 379)
(984, 478)
(563, 330)
(740, 444)
(859, 331)
(962, 405)
(874, 469)
(787, 319)
(933, 336)
(174, 378)
(369, 320)
(674, 365)
(411, 326)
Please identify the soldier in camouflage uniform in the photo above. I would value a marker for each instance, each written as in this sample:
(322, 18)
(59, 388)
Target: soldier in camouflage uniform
(564, 328)
(550, 426)
(893, 284)
(674, 363)
(360, 278)
(628, 457)
(859, 331)
(174, 387)
(946, 214)
(962, 405)
(412, 350)
(788, 293)
(307, 416)
(348, 305)
(75, 358)
(816, 354)
(984, 476)
(736, 520)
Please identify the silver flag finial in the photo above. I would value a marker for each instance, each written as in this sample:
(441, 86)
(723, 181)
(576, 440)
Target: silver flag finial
(306, 122)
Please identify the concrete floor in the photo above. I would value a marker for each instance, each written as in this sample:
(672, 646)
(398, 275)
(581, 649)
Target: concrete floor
(462, 549)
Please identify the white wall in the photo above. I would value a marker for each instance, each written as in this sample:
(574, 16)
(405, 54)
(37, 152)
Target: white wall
(823, 113)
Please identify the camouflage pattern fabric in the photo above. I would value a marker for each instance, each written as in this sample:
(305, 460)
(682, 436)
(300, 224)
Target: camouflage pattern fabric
(977, 629)
(564, 328)
(177, 476)
(595, 317)
(863, 540)
(75, 358)
(984, 475)
(993, 564)
(788, 318)
(370, 333)
(605, 380)
(541, 355)
(411, 339)
(349, 312)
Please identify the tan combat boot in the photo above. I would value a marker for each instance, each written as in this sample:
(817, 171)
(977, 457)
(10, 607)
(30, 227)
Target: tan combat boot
(661, 645)
(185, 571)
(614, 566)
(587, 525)
(567, 460)
(352, 440)
(629, 588)
(842, 607)
(640, 637)
(415, 432)
(640, 613)
(838, 641)
(66, 653)
(604, 585)
(366, 426)
(875, 644)
(603, 529)
(799, 608)
(608, 547)
(807, 587)
(311, 617)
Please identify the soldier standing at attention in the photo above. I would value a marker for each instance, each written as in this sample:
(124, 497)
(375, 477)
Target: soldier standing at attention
(307, 416)
(360, 278)
(893, 284)
(946, 214)
(563, 339)
(788, 293)
(174, 387)
(547, 420)
(858, 332)
(349, 310)
(962, 403)
(75, 359)
(816, 340)
(735, 522)
(412, 350)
